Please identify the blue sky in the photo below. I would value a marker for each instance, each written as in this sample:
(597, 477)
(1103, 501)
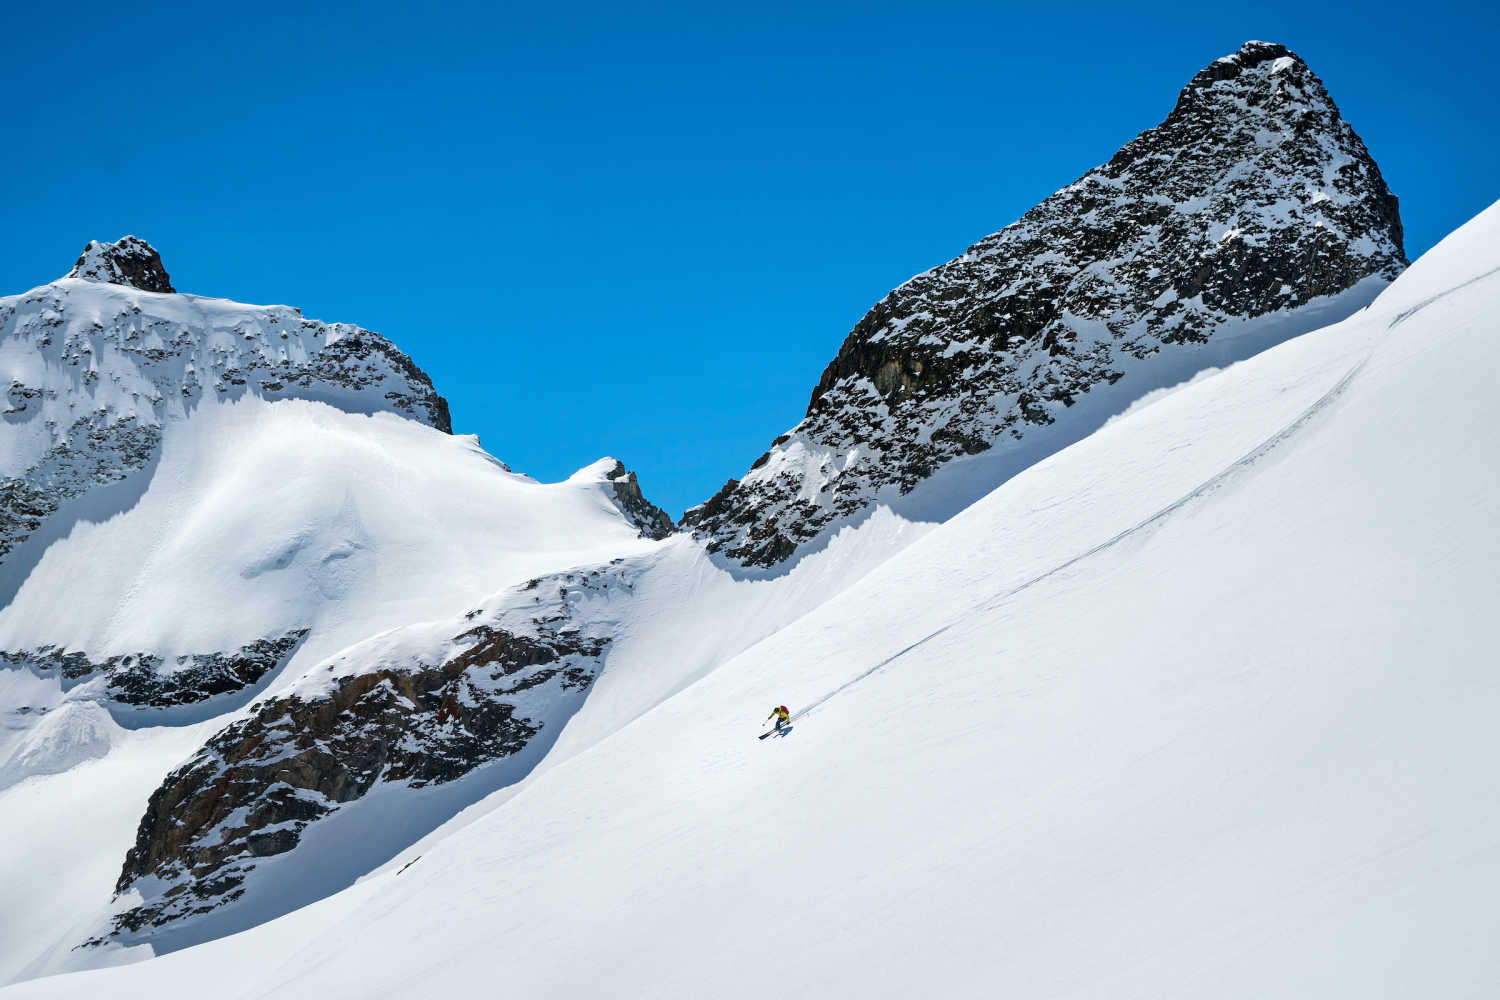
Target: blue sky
(643, 230)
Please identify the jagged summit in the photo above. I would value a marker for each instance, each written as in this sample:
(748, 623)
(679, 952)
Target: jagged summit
(1253, 199)
(1249, 56)
(652, 521)
(127, 261)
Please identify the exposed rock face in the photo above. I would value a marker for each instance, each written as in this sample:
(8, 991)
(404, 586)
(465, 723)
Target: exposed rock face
(422, 706)
(92, 450)
(127, 261)
(140, 679)
(1253, 196)
(645, 515)
(97, 368)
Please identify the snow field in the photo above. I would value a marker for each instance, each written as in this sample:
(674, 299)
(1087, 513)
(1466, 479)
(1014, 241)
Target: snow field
(263, 517)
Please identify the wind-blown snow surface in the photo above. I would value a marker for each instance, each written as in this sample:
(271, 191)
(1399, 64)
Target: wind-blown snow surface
(356, 521)
(1199, 707)
(259, 518)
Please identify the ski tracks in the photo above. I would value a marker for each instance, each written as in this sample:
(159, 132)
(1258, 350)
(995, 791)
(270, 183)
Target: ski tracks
(1402, 317)
(1207, 487)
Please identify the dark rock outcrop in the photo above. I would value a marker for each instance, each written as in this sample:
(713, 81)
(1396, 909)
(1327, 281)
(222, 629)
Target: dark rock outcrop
(391, 712)
(1254, 196)
(93, 450)
(645, 515)
(128, 261)
(140, 680)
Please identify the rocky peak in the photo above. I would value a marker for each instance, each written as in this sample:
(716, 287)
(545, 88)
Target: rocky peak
(1252, 199)
(1250, 57)
(652, 521)
(128, 261)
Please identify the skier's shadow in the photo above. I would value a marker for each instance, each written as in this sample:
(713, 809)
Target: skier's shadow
(782, 733)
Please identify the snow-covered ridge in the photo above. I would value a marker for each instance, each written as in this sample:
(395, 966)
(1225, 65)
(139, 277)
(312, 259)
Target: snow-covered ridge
(261, 519)
(1252, 213)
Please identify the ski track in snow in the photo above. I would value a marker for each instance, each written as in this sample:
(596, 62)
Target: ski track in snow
(1402, 317)
(1212, 484)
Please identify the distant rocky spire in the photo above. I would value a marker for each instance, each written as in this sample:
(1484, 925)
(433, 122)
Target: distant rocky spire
(1249, 56)
(652, 521)
(127, 261)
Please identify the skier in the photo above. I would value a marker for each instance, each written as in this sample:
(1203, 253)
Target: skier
(782, 716)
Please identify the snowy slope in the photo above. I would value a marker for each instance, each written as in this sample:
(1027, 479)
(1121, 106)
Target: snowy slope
(342, 763)
(263, 517)
(267, 518)
(260, 519)
(1198, 707)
